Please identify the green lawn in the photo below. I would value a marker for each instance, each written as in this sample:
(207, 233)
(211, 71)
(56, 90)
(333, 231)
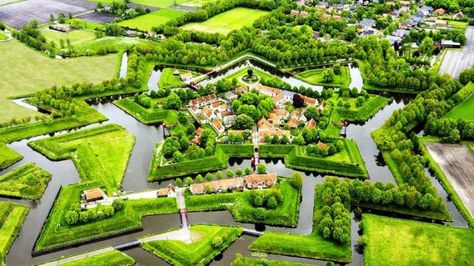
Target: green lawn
(315, 77)
(100, 153)
(461, 25)
(392, 241)
(25, 71)
(12, 216)
(228, 21)
(464, 111)
(27, 181)
(115, 258)
(361, 113)
(110, 44)
(200, 251)
(8, 156)
(75, 36)
(3, 36)
(150, 20)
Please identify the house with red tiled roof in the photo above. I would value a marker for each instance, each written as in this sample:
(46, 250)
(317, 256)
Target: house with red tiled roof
(93, 194)
(203, 100)
(217, 125)
(217, 186)
(169, 191)
(311, 124)
(259, 181)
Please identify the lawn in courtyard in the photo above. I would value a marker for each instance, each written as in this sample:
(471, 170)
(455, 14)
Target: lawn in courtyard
(228, 21)
(391, 241)
(25, 71)
(150, 20)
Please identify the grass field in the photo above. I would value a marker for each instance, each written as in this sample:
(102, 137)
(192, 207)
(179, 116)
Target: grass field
(315, 77)
(170, 81)
(25, 71)
(115, 258)
(2, 36)
(200, 251)
(464, 110)
(8, 156)
(150, 20)
(28, 181)
(228, 21)
(392, 241)
(361, 113)
(12, 216)
(75, 37)
(100, 153)
(110, 44)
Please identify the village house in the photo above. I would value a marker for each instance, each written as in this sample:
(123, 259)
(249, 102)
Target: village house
(310, 101)
(228, 117)
(203, 100)
(217, 125)
(208, 114)
(439, 12)
(458, 15)
(60, 27)
(450, 44)
(311, 124)
(169, 191)
(94, 194)
(197, 136)
(259, 181)
(267, 128)
(276, 94)
(298, 13)
(217, 186)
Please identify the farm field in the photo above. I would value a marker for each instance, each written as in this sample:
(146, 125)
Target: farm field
(464, 110)
(225, 22)
(150, 20)
(162, 3)
(393, 241)
(315, 77)
(75, 37)
(33, 71)
(457, 163)
(12, 216)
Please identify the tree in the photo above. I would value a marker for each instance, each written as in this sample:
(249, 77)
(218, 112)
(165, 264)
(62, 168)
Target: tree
(248, 170)
(113, 29)
(72, 217)
(118, 205)
(261, 168)
(209, 177)
(229, 173)
(258, 201)
(217, 242)
(179, 182)
(272, 202)
(239, 172)
(243, 121)
(172, 102)
(219, 175)
(328, 76)
(426, 47)
(188, 180)
(296, 180)
(199, 178)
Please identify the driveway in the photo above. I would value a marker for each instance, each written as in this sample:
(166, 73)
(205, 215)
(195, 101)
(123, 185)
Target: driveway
(457, 60)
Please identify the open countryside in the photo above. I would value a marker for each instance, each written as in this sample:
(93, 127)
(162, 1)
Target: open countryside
(236, 132)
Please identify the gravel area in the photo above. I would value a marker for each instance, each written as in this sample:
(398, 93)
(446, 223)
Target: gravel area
(457, 163)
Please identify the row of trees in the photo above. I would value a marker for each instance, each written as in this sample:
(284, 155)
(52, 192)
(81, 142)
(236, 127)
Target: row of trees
(450, 130)
(324, 150)
(77, 216)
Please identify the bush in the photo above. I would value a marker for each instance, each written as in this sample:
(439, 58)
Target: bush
(217, 242)
(296, 180)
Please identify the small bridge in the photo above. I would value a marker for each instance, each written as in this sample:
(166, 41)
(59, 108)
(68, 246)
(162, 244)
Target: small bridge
(252, 232)
(128, 245)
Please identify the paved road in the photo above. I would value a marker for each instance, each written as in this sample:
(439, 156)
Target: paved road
(456, 61)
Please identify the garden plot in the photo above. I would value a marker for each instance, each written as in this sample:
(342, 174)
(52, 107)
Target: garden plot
(457, 163)
(19, 14)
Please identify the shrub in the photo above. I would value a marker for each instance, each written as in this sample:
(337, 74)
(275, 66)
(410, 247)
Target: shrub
(272, 203)
(296, 180)
(217, 242)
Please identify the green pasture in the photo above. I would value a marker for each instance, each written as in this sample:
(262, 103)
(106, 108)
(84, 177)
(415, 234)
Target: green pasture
(115, 258)
(3, 36)
(228, 21)
(361, 113)
(75, 37)
(240, 260)
(464, 111)
(8, 156)
(147, 115)
(150, 20)
(200, 251)
(161, 3)
(392, 241)
(25, 71)
(170, 81)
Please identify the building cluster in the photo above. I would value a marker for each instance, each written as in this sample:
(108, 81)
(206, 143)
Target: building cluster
(213, 110)
(253, 181)
(60, 27)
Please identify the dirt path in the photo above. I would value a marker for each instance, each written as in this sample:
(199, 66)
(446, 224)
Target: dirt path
(457, 163)
(456, 60)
